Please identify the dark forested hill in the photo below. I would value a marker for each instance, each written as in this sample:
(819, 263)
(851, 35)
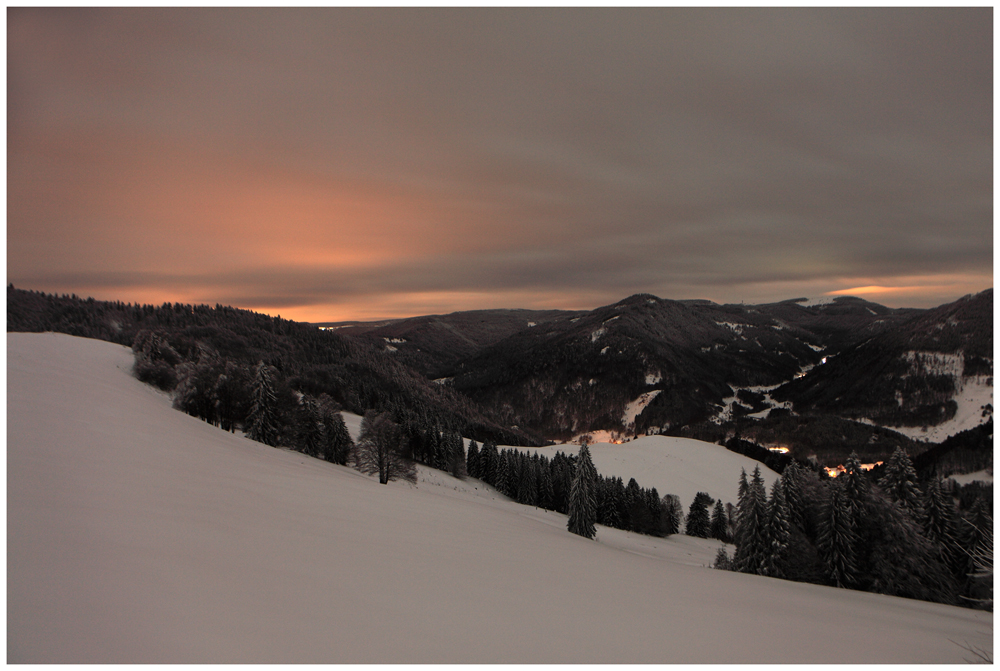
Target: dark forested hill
(581, 372)
(907, 375)
(434, 344)
(355, 374)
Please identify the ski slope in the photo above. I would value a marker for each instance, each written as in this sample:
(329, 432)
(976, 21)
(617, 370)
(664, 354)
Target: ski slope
(138, 534)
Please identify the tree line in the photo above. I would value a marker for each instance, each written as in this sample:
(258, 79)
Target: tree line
(892, 535)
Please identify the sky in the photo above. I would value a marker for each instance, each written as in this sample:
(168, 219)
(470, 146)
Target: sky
(331, 164)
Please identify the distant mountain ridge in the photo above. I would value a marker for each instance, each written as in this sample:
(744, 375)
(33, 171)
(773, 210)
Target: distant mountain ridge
(648, 365)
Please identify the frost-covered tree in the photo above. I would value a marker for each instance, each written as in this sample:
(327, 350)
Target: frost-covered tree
(379, 449)
(582, 496)
(472, 460)
(337, 442)
(262, 422)
(720, 524)
(791, 482)
(836, 537)
(670, 517)
(698, 523)
(939, 521)
(722, 560)
(855, 484)
(751, 524)
(900, 482)
(778, 532)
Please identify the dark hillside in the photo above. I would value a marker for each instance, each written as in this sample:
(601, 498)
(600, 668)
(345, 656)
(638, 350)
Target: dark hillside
(578, 374)
(905, 376)
(433, 345)
(355, 374)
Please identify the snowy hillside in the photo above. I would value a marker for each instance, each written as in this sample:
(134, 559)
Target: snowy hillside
(139, 534)
(680, 466)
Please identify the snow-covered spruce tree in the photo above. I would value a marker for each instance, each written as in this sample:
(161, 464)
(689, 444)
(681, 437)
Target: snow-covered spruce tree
(456, 455)
(836, 537)
(337, 442)
(791, 482)
(472, 460)
(856, 486)
(939, 521)
(308, 427)
(262, 422)
(582, 496)
(671, 515)
(751, 524)
(379, 449)
(722, 560)
(719, 528)
(778, 532)
(977, 545)
(900, 482)
(698, 523)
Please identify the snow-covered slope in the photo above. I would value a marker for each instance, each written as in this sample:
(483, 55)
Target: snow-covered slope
(138, 534)
(680, 466)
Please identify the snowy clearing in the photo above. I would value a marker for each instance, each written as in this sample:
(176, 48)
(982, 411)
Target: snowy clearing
(680, 466)
(139, 534)
(973, 395)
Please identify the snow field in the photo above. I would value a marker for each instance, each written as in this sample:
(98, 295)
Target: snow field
(139, 534)
(680, 466)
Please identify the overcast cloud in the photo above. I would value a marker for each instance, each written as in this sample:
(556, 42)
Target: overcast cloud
(331, 164)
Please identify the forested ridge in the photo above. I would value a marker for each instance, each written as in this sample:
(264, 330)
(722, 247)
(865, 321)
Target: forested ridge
(203, 343)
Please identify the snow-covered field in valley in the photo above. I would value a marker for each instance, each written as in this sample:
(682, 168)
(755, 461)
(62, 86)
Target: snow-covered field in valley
(136, 533)
(680, 466)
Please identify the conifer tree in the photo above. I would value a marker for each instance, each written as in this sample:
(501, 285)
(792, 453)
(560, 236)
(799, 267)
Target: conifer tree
(719, 526)
(671, 515)
(472, 460)
(503, 483)
(836, 537)
(900, 482)
(751, 524)
(778, 532)
(582, 497)
(337, 439)
(792, 484)
(262, 422)
(456, 454)
(698, 523)
(855, 485)
(939, 521)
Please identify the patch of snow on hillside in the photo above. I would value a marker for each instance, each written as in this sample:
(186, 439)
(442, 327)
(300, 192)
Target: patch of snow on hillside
(936, 363)
(968, 478)
(653, 378)
(604, 350)
(530, 324)
(973, 395)
(611, 319)
(737, 328)
(635, 408)
(395, 340)
(442, 380)
(390, 348)
(726, 414)
(597, 334)
(680, 466)
(814, 302)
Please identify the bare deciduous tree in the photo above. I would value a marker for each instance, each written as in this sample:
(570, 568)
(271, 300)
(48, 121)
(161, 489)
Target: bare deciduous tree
(379, 449)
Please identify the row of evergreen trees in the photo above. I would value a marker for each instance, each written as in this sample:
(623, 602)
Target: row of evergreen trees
(892, 537)
(547, 483)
